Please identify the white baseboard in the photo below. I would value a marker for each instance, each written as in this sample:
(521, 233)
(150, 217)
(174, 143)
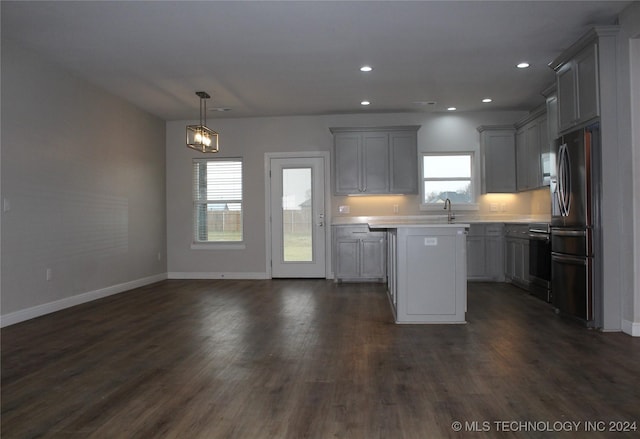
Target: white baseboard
(213, 275)
(67, 302)
(631, 328)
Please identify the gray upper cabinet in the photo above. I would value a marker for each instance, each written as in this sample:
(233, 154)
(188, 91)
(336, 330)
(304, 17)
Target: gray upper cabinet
(403, 160)
(567, 105)
(578, 89)
(347, 162)
(531, 148)
(374, 175)
(380, 160)
(552, 113)
(498, 158)
(522, 173)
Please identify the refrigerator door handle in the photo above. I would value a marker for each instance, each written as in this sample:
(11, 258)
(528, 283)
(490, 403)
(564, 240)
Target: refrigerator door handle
(579, 233)
(569, 259)
(560, 179)
(564, 179)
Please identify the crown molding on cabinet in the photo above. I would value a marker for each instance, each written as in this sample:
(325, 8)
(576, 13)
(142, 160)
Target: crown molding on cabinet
(584, 41)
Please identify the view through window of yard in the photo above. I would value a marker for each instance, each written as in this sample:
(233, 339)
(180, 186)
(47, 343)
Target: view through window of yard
(447, 176)
(297, 230)
(217, 194)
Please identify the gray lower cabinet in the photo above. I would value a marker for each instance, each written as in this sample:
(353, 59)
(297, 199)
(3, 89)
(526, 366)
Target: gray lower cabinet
(516, 268)
(485, 252)
(359, 253)
(475, 254)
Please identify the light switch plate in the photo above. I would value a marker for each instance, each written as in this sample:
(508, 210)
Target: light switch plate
(344, 209)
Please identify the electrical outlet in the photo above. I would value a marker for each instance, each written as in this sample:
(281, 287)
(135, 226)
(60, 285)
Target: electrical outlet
(6, 205)
(49, 274)
(494, 207)
(503, 207)
(159, 256)
(344, 209)
(395, 208)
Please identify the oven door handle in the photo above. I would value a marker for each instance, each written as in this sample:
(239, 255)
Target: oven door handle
(539, 237)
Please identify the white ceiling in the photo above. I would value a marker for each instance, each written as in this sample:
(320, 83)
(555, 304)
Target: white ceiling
(296, 58)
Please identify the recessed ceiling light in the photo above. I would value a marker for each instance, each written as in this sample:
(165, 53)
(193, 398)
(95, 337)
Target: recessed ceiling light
(366, 68)
(523, 65)
(365, 103)
(487, 100)
(451, 109)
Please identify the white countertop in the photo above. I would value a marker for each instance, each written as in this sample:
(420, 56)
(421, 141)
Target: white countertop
(395, 224)
(439, 220)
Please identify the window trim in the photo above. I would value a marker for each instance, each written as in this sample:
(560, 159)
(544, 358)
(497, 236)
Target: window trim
(474, 205)
(216, 245)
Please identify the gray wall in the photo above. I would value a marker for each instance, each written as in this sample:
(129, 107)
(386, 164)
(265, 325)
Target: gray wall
(250, 139)
(629, 165)
(83, 179)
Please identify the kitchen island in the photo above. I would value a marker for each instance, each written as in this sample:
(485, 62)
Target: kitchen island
(427, 270)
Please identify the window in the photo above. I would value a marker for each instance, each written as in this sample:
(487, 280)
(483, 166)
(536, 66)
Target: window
(447, 175)
(217, 200)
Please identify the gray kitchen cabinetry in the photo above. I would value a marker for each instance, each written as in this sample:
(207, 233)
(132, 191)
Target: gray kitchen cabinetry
(427, 266)
(516, 268)
(532, 148)
(403, 161)
(361, 163)
(551, 96)
(485, 252)
(359, 253)
(498, 158)
(585, 79)
(380, 160)
(578, 89)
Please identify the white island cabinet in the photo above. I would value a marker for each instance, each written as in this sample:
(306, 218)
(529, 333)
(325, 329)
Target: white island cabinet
(427, 271)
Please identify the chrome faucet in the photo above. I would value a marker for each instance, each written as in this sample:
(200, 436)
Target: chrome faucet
(447, 206)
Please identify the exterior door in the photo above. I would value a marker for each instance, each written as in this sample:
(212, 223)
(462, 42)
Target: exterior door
(298, 217)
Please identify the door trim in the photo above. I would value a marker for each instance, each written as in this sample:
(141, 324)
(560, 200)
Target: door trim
(327, 200)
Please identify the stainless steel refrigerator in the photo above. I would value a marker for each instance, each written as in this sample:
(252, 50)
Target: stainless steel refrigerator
(574, 186)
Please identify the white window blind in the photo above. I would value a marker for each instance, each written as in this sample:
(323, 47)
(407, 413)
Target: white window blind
(217, 200)
(447, 175)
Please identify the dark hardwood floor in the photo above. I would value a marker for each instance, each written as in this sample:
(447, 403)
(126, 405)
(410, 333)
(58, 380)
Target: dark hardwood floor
(309, 359)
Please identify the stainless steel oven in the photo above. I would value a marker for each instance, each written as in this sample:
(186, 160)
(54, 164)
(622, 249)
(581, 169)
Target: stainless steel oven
(540, 261)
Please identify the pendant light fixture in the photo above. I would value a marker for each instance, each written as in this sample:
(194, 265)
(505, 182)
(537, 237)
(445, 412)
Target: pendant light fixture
(200, 137)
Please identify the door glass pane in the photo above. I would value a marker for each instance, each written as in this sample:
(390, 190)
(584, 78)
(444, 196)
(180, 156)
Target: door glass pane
(297, 219)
